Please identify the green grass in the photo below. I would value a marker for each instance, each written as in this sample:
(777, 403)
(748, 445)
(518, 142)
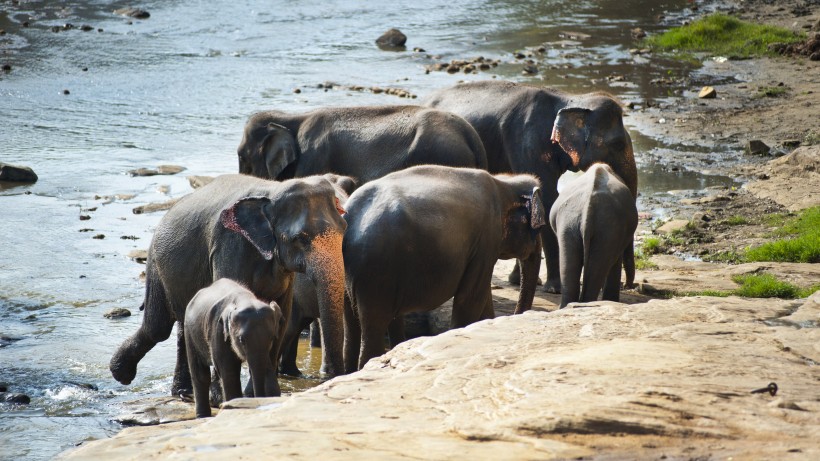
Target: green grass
(736, 221)
(802, 242)
(811, 138)
(723, 35)
(651, 246)
(772, 91)
(768, 286)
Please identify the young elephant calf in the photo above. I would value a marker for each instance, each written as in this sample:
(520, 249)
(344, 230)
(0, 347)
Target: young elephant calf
(594, 219)
(418, 237)
(225, 325)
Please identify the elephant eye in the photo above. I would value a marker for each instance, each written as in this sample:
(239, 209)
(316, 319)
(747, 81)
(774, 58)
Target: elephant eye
(241, 339)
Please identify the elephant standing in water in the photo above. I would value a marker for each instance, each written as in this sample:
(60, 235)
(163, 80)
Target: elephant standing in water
(594, 219)
(362, 142)
(225, 325)
(421, 236)
(253, 231)
(544, 132)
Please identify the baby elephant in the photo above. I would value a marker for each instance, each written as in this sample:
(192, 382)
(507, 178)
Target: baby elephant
(225, 325)
(594, 219)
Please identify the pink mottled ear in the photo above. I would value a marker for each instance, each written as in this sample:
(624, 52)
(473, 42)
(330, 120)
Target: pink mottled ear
(248, 218)
(538, 215)
(570, 131)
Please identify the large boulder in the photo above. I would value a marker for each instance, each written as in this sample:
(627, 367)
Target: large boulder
(664, 379)
(16, 173)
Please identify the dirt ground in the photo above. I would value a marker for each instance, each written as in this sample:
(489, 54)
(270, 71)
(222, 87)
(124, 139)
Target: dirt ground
(775, 100)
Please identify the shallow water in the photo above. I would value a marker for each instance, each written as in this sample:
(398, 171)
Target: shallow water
(176, 89)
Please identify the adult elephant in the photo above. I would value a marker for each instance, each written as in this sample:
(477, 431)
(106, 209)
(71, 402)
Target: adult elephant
(362, 142)
(544, 132)
(253, 231)
(421, 236)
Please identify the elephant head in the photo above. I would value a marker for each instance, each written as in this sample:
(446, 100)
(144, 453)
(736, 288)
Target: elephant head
(302, 232)
(594, 132)
(252, 330)
(522, 225)
(267, 148)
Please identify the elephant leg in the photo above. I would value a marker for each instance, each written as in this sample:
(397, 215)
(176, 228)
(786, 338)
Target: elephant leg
(182, 375)
(612, 287)
(552, 259)
(290, 350)
(572, 257)
(315, 334)
(595, 275)
(353, 338)
(473, 296)
(229, 372)
(373, 324)
(629, 264)
(216, 390)
(395, 331)
(201, 381)
(489, 310)
(515, 275)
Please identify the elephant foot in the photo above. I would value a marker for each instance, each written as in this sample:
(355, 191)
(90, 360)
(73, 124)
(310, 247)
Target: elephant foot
(515, 277)
(290, 370)
(552, 286)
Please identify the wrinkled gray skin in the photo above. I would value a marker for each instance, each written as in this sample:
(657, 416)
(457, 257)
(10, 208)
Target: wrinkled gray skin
(362, 142)
(594, 219)
(544, 132)
(225, 325)
(420, 236)
(257, 232)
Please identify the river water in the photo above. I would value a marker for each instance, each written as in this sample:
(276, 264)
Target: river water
(82, 108)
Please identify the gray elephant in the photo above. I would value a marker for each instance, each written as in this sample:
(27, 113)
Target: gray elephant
(250, 230)
(594, 219)
(225, 325)
(421, 236)
(362, 142)
(544, 132)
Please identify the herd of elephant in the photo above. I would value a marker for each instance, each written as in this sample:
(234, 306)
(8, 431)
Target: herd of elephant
(358, 215)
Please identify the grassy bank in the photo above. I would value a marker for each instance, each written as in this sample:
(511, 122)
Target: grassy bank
(722, 35)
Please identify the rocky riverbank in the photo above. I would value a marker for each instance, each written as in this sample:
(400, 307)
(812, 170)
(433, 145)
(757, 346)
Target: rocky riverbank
(677, 378)
(645, 379)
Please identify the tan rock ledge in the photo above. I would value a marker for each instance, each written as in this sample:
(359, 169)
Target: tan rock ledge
(608, 380)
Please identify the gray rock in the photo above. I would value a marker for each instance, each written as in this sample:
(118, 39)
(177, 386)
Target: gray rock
(199, 181)
(116, 313)
(393, 38)
(160, 170)
(16, 173)
(707, 92)
(154, 207)
(136, 13)
(11, 397)
(757, 147)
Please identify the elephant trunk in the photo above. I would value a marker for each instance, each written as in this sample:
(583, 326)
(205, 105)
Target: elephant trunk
(529, 268)
(325, 266)
(123, 364)
(258, 364)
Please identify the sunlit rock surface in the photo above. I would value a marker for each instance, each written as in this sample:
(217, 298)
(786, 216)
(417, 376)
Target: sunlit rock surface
(608, 380)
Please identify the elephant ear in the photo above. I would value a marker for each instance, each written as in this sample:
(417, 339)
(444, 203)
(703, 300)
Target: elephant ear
(248, 217)
(225, 320)
(571, 132)
(533, 203)
(278, 148)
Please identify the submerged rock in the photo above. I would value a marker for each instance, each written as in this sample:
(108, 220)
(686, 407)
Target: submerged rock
(393, 38)
(155, 206)
(160, 170)
(16, 173)
(136, 13)
(11, 397)
(117, 312)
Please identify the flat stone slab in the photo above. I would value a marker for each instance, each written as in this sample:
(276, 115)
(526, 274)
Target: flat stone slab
(792, 180)
(663, 379)
(677, 277)
(151, 411)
